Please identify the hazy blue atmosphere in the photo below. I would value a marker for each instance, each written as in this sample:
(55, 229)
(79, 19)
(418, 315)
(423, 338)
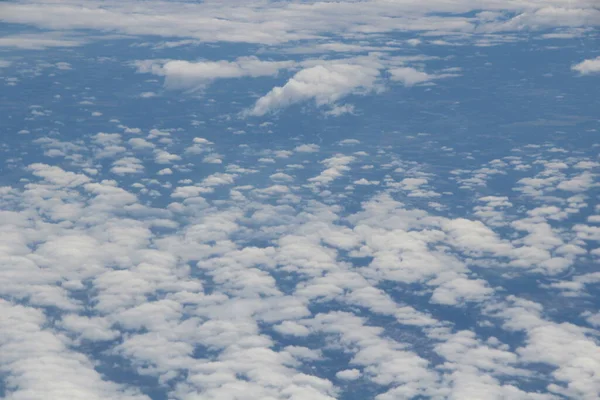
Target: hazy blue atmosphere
(297, 200)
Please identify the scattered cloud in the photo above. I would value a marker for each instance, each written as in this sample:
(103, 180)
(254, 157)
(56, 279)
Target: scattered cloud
(182, 259)
(39, 41)
(180, 74)
(588, 67)
(325, 84)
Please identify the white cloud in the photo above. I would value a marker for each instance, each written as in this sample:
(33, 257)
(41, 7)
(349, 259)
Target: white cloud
(413, 183)
(281, 177)
(164, 157)
(460, 290)
(292, 328)
(409, 76)
(58, 176)
(165, 171)
(189, 191)
(385, 362)
(365, 182)
(139, 144)
(307, 148)
(25, 340)
(325, 84)
(199, 140)
(90, 328)
(348, 142)
(39, 41)
(180, 74)
(218, 179)
(578, 183)
(213, 158)
(336, 166)
(336, 110)
(65, 66)
(127, 165)
(565, 346)
(348, 374)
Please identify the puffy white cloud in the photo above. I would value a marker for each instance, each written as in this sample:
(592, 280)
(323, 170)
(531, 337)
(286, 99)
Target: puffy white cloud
(307, 148)
(139, 144)
(189, 191)
(58, 176)
(164, 157)
(281, 177)
(165, 171)
(325, 84)
(336, 166)
(219, 179)
(474, 237)
(213, 158)
(90, 328)
(566, 347)
(292, 328)
(385, 362)
(39, 363)
(409, 76)
(180, 74)
(127, 165)
(365, 182)
(577, 183)
(588, 67)
(460, 290)
(348, 374)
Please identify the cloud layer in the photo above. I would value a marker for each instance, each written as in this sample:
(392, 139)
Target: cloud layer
(206, 229)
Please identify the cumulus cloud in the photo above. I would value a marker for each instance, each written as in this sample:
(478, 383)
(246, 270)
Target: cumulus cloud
(577, 183)
(461, 290)
(348, 374)
(336, 166)
(409, 76)
(164, 157)
(325, 84)
(181, 74)
(139, 144)
(587, 67)
(25, 341)
(307, 148)
(127, 165)
(236, 300)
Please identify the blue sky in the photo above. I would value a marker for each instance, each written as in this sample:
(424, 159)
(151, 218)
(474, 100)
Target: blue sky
(287, 200)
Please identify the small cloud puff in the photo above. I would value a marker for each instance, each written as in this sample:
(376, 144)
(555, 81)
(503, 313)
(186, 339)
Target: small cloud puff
(588, 67)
